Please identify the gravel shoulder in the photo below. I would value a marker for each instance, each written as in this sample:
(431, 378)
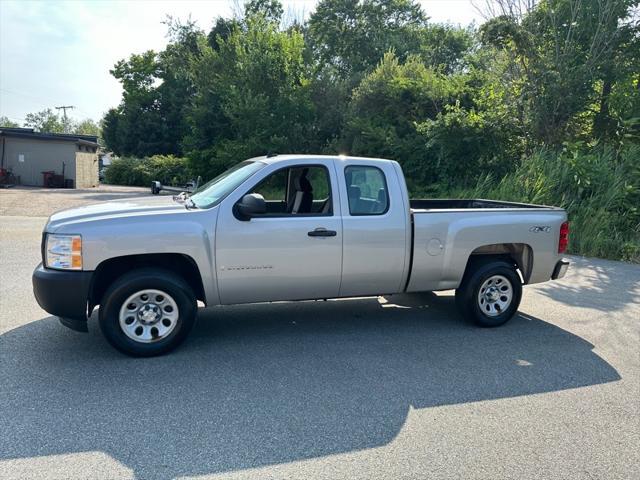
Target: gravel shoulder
(42, 202)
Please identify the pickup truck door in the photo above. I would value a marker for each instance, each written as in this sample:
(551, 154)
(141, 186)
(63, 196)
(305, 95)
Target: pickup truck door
(292, 252)
(377, 230)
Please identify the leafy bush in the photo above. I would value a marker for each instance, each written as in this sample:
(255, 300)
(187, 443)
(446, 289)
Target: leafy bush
(126, 171)
(387, 105)
(464, 143)
(167, 169)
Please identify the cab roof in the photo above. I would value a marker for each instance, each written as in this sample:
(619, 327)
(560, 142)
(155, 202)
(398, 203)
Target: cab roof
(310, 158)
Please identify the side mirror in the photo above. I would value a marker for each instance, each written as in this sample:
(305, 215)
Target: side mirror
(251, 204)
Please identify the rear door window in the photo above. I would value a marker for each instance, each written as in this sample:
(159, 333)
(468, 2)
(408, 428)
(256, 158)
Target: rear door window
(366, 190)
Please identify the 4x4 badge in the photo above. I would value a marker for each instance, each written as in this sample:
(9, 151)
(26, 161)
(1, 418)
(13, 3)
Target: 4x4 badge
(540, 228)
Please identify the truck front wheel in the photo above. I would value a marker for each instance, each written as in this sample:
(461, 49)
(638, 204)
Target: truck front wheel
(147, 312)
(490, 293)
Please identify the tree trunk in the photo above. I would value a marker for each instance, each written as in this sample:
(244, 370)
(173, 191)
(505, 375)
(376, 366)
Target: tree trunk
(602, 123)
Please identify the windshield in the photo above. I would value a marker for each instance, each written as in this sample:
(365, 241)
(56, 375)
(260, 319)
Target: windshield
(214, 191)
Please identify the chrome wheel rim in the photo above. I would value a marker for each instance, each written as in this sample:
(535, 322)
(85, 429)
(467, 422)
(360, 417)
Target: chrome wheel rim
(495, 295)
(148, 316)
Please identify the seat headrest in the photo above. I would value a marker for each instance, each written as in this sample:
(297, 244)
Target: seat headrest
(302, 183)
(348, 176)
(353, 191)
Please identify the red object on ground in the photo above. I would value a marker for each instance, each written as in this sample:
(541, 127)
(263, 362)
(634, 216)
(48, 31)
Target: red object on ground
(47, 178)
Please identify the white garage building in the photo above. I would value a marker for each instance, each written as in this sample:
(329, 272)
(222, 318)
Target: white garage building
(27, 154)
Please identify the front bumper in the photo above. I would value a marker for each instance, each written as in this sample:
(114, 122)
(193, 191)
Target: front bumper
(64, 294)
(560, 270)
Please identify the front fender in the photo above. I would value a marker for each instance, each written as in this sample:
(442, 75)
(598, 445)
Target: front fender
(188, 233)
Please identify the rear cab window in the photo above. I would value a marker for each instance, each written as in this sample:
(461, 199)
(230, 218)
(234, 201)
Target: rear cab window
(367, 190)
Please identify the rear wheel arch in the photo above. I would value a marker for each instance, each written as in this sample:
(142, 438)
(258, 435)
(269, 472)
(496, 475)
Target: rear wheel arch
(518, 254)
(111, 269)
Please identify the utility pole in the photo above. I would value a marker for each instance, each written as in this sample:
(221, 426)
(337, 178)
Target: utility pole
(64, 114)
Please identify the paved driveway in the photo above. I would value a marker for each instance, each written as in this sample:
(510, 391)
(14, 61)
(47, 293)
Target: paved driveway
(396, 387)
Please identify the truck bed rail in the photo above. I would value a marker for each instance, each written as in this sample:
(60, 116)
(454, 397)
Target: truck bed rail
(473, 203)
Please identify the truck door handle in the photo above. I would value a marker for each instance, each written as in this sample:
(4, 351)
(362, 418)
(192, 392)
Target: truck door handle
(322, 232)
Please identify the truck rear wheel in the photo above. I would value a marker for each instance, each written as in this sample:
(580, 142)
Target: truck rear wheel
(147, 312)
(490, 293)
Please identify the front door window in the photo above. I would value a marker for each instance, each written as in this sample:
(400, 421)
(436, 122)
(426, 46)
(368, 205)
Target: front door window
(297, 191)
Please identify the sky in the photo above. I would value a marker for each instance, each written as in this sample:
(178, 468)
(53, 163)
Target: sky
(55, 53)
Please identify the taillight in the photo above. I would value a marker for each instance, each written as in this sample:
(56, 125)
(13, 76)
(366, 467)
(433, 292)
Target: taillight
(563, 241)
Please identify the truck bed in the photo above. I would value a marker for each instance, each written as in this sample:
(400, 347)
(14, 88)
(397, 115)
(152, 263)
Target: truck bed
(447, 232)
(465, 204)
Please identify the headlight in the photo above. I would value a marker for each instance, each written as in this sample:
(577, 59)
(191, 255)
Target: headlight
(64, 252)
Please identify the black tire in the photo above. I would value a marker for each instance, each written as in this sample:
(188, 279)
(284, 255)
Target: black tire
(467, 294)
(139, 280)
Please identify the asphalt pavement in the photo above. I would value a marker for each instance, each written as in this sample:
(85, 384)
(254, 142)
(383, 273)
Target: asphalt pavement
(397, 387)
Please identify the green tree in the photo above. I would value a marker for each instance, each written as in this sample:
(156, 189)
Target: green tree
(253, 97)
(221, 31)
(87, 127)
(383, 115)
(47, 121)
(271, 10)
(109, 127)
(137, 130)
(618, 80)
(445, 47)
(436, 125)
(346, 39)
(157, 91)
(176, 88)
(562, 48)
(6, 122)
(465, 144)
(351, 36)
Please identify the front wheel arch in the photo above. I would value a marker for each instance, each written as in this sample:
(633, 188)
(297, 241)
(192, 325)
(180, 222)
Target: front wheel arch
(111, 269)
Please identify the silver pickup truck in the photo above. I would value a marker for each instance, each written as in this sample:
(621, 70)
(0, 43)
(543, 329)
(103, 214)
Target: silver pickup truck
(288, 227)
